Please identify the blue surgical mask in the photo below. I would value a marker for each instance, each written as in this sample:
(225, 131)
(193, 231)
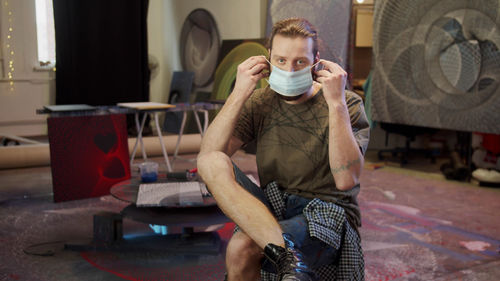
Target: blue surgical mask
(290, 84)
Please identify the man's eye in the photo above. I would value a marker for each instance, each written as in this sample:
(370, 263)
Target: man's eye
(300, 62)
(281, 60)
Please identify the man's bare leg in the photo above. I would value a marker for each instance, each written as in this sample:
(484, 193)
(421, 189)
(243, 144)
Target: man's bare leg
(243, 208)
(243, 258)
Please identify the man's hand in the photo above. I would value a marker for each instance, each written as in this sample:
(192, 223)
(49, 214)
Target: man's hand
(333, 78)
(219, 136)
(249, 73)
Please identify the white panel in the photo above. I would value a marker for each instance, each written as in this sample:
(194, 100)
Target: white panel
(364, 28)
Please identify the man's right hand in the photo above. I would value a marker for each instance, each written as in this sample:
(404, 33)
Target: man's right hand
(249, 73)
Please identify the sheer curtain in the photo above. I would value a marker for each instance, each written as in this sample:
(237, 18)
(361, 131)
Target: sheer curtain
(45, 32)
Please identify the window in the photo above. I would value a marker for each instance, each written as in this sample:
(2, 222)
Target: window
(45, 33)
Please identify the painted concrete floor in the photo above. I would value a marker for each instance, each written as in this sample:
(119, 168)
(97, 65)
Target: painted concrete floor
(416, 226)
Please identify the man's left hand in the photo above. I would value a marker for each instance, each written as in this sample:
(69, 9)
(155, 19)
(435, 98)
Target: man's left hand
(332, 78)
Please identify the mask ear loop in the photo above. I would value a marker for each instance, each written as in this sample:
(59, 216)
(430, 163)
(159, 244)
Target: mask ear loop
(314, 74)
(270, 64)
(315, 64)
(268, 61)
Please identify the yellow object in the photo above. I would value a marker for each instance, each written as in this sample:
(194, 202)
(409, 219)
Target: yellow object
(225, 74)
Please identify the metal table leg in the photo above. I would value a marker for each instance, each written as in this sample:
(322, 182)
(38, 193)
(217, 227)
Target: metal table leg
(139, 127)
(164, 150)
(205, 123)
(181, 131)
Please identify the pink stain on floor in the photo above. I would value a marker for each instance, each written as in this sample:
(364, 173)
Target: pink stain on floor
(403, 211)
(475, 246)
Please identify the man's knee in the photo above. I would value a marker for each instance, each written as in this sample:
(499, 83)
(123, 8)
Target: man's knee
(212, 164)
(242, 253)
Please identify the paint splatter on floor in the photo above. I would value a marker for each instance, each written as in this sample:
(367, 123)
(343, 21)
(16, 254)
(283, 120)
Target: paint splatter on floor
(475, 246)
(431, 229)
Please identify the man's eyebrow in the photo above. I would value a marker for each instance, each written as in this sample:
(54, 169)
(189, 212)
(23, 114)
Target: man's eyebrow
(303, 58)
(285, 57)
(277, 56)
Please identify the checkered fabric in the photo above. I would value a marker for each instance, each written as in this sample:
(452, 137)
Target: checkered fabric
(277, 198)
(328, 223)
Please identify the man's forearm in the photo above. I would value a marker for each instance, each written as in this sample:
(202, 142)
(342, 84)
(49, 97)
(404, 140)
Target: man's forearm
(220, 130)
(346, 160)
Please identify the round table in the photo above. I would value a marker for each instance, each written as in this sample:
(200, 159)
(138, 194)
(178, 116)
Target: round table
(108, 232)
(188, 216)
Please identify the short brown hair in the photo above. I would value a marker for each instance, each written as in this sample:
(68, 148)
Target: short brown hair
(294, 27)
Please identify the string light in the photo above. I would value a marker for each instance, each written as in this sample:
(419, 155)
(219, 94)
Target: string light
(10, 69)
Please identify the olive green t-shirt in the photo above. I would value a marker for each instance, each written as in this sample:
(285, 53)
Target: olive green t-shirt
(292, 145)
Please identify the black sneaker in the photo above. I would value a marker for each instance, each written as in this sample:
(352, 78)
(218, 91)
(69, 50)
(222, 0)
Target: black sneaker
(288, 262)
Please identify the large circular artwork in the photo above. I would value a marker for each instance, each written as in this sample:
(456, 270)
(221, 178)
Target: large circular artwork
(437, 64)
(199, 46)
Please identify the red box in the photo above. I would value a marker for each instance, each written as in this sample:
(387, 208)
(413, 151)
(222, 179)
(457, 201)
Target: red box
(88, 154)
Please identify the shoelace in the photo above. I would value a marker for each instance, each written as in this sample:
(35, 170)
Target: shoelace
(293, 259)
(285, 262)
(297, 259)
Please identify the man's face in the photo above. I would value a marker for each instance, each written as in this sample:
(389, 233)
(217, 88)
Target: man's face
(292, 54)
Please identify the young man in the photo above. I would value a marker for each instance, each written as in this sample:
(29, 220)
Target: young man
(311, 136)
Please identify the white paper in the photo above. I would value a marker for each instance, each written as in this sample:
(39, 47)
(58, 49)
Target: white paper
(170, 194)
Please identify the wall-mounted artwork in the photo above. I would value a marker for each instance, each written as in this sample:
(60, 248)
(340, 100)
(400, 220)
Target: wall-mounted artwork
(437, 64)
(199, 46)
